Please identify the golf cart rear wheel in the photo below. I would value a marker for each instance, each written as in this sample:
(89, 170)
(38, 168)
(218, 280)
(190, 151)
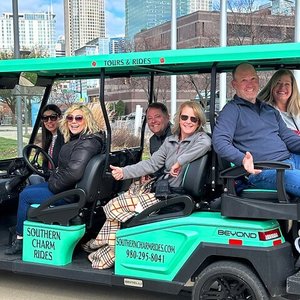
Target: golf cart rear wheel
(228, 280)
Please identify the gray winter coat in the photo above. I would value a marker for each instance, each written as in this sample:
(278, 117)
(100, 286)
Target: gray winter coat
(170, 152)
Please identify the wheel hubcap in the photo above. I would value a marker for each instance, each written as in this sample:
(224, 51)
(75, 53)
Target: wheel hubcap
(226, 287)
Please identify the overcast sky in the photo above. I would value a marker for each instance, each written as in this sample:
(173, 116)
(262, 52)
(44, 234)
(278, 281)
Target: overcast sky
(115, 25)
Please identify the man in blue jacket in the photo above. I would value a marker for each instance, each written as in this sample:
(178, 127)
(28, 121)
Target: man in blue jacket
(249, 130)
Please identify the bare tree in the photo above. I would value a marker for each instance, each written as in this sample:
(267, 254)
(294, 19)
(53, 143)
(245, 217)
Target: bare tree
(142, 44)
(7, 98)
(6, 55)
(248, 25)
(25, 53)
(161, 90)
(200, 84)
(62, 95)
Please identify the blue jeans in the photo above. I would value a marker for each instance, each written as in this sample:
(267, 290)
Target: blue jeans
(32, 194)
(267, 178)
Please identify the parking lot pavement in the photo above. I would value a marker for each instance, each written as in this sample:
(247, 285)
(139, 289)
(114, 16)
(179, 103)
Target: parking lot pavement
(10, 132)
(21, 287)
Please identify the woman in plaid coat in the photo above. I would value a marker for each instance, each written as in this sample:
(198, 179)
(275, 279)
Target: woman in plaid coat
(187, 143)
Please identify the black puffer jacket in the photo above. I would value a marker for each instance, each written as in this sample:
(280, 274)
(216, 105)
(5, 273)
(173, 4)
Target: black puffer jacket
(57, 146)
(73, 158)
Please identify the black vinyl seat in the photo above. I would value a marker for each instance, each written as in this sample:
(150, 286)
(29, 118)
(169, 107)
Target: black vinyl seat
(250, 193)
(195, 177)
(88, 191)
(258, 204)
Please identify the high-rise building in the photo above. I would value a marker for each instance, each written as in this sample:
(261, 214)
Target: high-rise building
(94, 47)
(36, 32)
(283, 7)
(103, 45)
(84, 21)
(140, 15)
(117, 45)
(196, 5)
(60, 46)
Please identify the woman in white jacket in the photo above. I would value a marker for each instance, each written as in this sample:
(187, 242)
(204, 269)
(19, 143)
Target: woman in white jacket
(187, 143)
(282, 92)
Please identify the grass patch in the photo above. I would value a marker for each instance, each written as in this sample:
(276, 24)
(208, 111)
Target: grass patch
(8, 148)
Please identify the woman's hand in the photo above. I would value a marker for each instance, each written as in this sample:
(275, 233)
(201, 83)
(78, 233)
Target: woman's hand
(117, 172)
(175, 169)
(145, 179)
(249, 165)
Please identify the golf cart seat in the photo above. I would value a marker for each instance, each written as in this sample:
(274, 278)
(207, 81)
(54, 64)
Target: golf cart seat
(258, 203)
(81, 200)
(194, 180)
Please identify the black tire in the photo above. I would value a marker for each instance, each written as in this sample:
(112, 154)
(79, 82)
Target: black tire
(228, 280)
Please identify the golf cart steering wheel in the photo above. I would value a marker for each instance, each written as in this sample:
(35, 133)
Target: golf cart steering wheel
(34, 163)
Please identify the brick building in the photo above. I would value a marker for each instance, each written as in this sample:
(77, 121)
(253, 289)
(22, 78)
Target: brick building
(199, 29)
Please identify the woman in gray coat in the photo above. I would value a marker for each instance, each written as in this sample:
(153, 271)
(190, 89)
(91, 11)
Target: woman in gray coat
(187, 143)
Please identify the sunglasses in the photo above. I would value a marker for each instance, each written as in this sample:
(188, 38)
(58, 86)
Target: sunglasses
(51, 118)
(185, 118)
(77, 118)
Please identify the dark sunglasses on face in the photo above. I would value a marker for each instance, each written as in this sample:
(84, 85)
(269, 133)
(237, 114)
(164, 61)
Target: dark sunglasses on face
(51, 118)
(185, 117)
(77, 118)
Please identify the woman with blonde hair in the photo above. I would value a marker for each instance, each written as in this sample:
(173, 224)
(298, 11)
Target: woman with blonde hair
(282, 92)
(89, 126)
(187, 143)
(82, 141)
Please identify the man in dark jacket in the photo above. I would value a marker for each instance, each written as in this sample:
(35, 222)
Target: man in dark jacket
(158, 120)
(249, 130)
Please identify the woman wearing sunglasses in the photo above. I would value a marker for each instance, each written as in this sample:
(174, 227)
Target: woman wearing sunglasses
(83, 140)
(187, 143)
(52, 139)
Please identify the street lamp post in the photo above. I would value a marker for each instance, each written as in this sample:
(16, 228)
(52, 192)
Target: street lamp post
(297, 35)
(17, 55)
(173, 47)
(223, 43)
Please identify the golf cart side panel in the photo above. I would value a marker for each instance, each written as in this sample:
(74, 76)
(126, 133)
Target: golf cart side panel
(76, 271)
(80, 271)
(160, 250)
(272, 264)
(160, 286)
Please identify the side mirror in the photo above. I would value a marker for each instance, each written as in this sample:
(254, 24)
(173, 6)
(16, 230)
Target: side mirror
(28, 79)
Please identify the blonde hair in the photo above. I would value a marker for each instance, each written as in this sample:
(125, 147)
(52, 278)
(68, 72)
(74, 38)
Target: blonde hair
(266, 93)
(96, 110)
(90, 127)
(198, 114)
